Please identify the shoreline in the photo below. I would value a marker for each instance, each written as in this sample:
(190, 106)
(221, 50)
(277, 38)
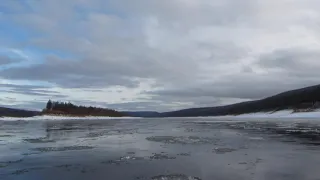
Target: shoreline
(285, 114)
(50, 117)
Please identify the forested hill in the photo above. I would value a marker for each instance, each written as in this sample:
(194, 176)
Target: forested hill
(305, 99)
(9, 112)
(69, 109)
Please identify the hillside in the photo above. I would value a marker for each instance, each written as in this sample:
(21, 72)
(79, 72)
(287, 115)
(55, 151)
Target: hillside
(9, 112)
(305, 99)
(141, 113)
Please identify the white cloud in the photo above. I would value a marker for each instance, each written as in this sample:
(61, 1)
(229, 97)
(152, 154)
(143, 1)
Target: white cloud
(178, 45)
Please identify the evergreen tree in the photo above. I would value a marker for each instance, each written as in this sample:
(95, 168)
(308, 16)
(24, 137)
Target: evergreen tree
(49, 105)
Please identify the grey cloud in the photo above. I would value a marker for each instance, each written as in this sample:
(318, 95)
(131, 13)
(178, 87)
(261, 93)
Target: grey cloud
(200, 53)
(289, 58)
(135, 106)
(8, 99)
(32, 90)
(127, 106)
(4, 60)
(159, 104)
(34, 105)
(103, 72)
(17, 86)
(110, 56)
(242, 86)
(189, 13)
(70, 74)
(303, 64)
(143, 106)
(35, 93)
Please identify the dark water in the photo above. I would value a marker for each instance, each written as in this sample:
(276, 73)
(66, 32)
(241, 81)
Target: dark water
(160, 149)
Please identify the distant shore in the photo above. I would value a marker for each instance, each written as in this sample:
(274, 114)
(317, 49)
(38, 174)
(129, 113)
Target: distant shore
(304, 100)
(284, 114)
(63, 114)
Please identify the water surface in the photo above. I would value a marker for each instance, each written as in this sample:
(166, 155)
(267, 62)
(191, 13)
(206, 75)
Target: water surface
(160, 149)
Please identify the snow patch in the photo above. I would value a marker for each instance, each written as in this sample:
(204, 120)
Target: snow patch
(285, 114)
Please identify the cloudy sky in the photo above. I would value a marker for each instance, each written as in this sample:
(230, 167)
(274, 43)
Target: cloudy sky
(155, 54)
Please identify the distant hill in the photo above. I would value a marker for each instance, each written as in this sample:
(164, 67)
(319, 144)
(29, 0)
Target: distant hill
(9, 112)
(142, 113)
(305, 99)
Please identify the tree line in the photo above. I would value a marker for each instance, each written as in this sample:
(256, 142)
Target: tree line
(67, 108)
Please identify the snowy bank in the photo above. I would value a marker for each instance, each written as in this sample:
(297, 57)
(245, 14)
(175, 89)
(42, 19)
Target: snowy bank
(46, 117)
(285, 114)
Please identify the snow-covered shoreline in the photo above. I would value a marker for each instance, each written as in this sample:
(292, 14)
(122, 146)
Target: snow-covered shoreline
(280, 114)
(285, 114)
(46, 117)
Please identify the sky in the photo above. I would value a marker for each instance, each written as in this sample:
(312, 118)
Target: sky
(157, 55)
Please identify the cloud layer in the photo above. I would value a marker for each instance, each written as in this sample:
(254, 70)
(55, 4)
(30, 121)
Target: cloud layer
(156, 55)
